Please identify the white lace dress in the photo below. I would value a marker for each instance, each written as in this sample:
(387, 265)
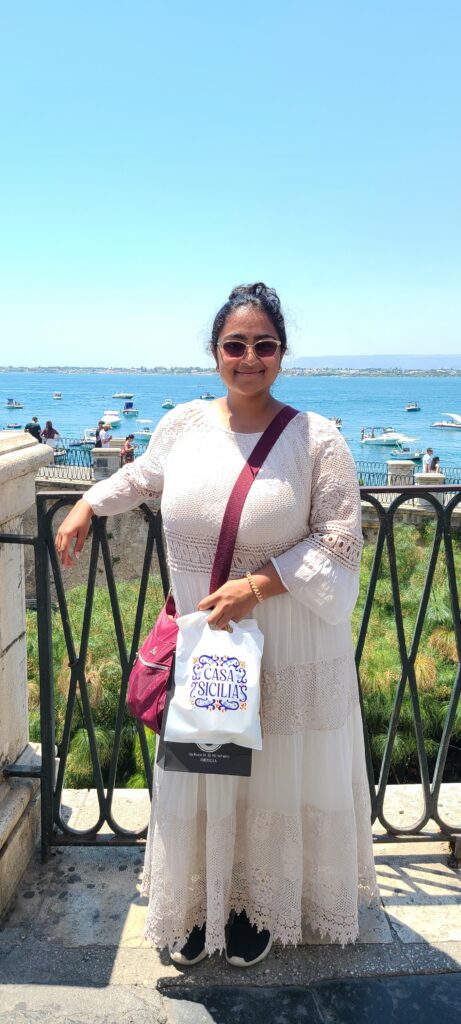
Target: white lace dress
(291, 844)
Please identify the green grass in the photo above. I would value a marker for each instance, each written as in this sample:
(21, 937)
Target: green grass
(380, 669)
(103, 676)
(436, 663)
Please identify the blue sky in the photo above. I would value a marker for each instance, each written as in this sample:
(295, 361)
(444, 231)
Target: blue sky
(153, 156)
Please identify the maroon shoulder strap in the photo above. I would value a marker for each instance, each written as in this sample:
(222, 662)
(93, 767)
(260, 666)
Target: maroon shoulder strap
(231, 519)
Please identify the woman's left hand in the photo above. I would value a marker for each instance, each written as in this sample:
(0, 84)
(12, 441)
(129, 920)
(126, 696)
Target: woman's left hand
(234, 600)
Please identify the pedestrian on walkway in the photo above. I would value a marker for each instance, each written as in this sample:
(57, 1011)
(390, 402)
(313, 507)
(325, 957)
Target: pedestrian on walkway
(235, 863)
(50, 434)
(34, 428)
(104, 436)
(127, 452)
(99, 427)
(427, 458)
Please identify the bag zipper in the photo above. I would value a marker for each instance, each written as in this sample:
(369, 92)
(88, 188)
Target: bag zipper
(151, 664)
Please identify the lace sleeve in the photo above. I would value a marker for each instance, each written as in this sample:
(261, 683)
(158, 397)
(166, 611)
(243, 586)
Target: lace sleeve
(322, 571)
(141, 480)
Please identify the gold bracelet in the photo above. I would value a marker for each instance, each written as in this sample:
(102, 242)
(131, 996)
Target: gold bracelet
(255, 589)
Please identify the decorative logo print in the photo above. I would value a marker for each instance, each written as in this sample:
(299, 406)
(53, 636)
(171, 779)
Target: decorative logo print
(219, 683)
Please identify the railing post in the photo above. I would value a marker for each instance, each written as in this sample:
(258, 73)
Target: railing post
(45, 656)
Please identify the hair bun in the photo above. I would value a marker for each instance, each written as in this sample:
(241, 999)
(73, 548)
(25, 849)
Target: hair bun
(257, 290)
(256, 295)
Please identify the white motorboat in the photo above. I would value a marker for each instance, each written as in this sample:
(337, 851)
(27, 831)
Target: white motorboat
(111, 416)
(454, 423)
(402, 451)
(57, 395)
(129, 409)
(206, 396)
(168, 403)
(384, 436)
(412, 407)
(11, 403)
(123, 394)
(145, 428)
(89, 437)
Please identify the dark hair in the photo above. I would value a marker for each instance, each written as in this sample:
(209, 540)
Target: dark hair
(258, 295)
(129, 437)
(434, 462)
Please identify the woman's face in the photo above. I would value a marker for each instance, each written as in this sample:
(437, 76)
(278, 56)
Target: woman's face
(249, 375)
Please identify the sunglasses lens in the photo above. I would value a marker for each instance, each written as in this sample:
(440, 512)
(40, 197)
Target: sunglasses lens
(266, 348)
(234, 349)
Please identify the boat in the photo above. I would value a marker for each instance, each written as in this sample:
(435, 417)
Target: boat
(412, 407)
(129, 409)
(123, 394)
(404, 452)
(57, 395)
(11, 403)
(13, 426)
(168, 404)
(384, 436)
(453, 424)
(111, 416)
(89, 438)
(207, 396)
(145, 428)
(337, 422)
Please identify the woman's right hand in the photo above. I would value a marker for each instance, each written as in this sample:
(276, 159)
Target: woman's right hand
(74, 527)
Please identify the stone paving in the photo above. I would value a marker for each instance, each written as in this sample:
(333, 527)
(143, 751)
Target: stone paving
(72, 946)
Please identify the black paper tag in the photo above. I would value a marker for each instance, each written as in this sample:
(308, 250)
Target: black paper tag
(223, 759)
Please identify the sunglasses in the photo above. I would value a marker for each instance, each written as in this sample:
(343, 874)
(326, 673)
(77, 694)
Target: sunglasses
(263, 349)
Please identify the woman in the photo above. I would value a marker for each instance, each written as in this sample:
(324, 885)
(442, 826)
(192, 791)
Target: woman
(434, 465)
(235, 863)
(49, 434)
(127, 451)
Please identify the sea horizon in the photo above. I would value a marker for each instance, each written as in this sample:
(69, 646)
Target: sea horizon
(369, 368)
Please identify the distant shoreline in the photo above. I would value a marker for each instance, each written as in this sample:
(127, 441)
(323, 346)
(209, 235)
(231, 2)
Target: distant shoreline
(294, 371)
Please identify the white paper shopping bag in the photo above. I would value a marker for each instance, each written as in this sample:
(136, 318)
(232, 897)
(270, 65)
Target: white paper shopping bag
(217, 683)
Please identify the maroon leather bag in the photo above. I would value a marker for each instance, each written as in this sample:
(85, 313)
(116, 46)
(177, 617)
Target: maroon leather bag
(148, 679)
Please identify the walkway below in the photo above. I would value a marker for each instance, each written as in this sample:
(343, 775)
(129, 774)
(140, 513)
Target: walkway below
(398, 1000)
(72, 947)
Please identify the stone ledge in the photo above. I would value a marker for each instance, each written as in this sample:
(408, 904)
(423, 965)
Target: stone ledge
(17, 793)
(19, 849)
(20, 455)
(15, 797)
(14, 440)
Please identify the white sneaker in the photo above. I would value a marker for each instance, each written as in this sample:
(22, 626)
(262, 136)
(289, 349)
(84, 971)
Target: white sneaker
(192, 951)
(245, 945)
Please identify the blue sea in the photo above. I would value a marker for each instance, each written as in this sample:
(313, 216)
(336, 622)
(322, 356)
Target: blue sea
(358, 401)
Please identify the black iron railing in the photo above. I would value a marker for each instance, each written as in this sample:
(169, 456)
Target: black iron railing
(408, 650)
(443, 503)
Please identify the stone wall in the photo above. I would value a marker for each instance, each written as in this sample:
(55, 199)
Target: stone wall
(127, 534)
(20, 459)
